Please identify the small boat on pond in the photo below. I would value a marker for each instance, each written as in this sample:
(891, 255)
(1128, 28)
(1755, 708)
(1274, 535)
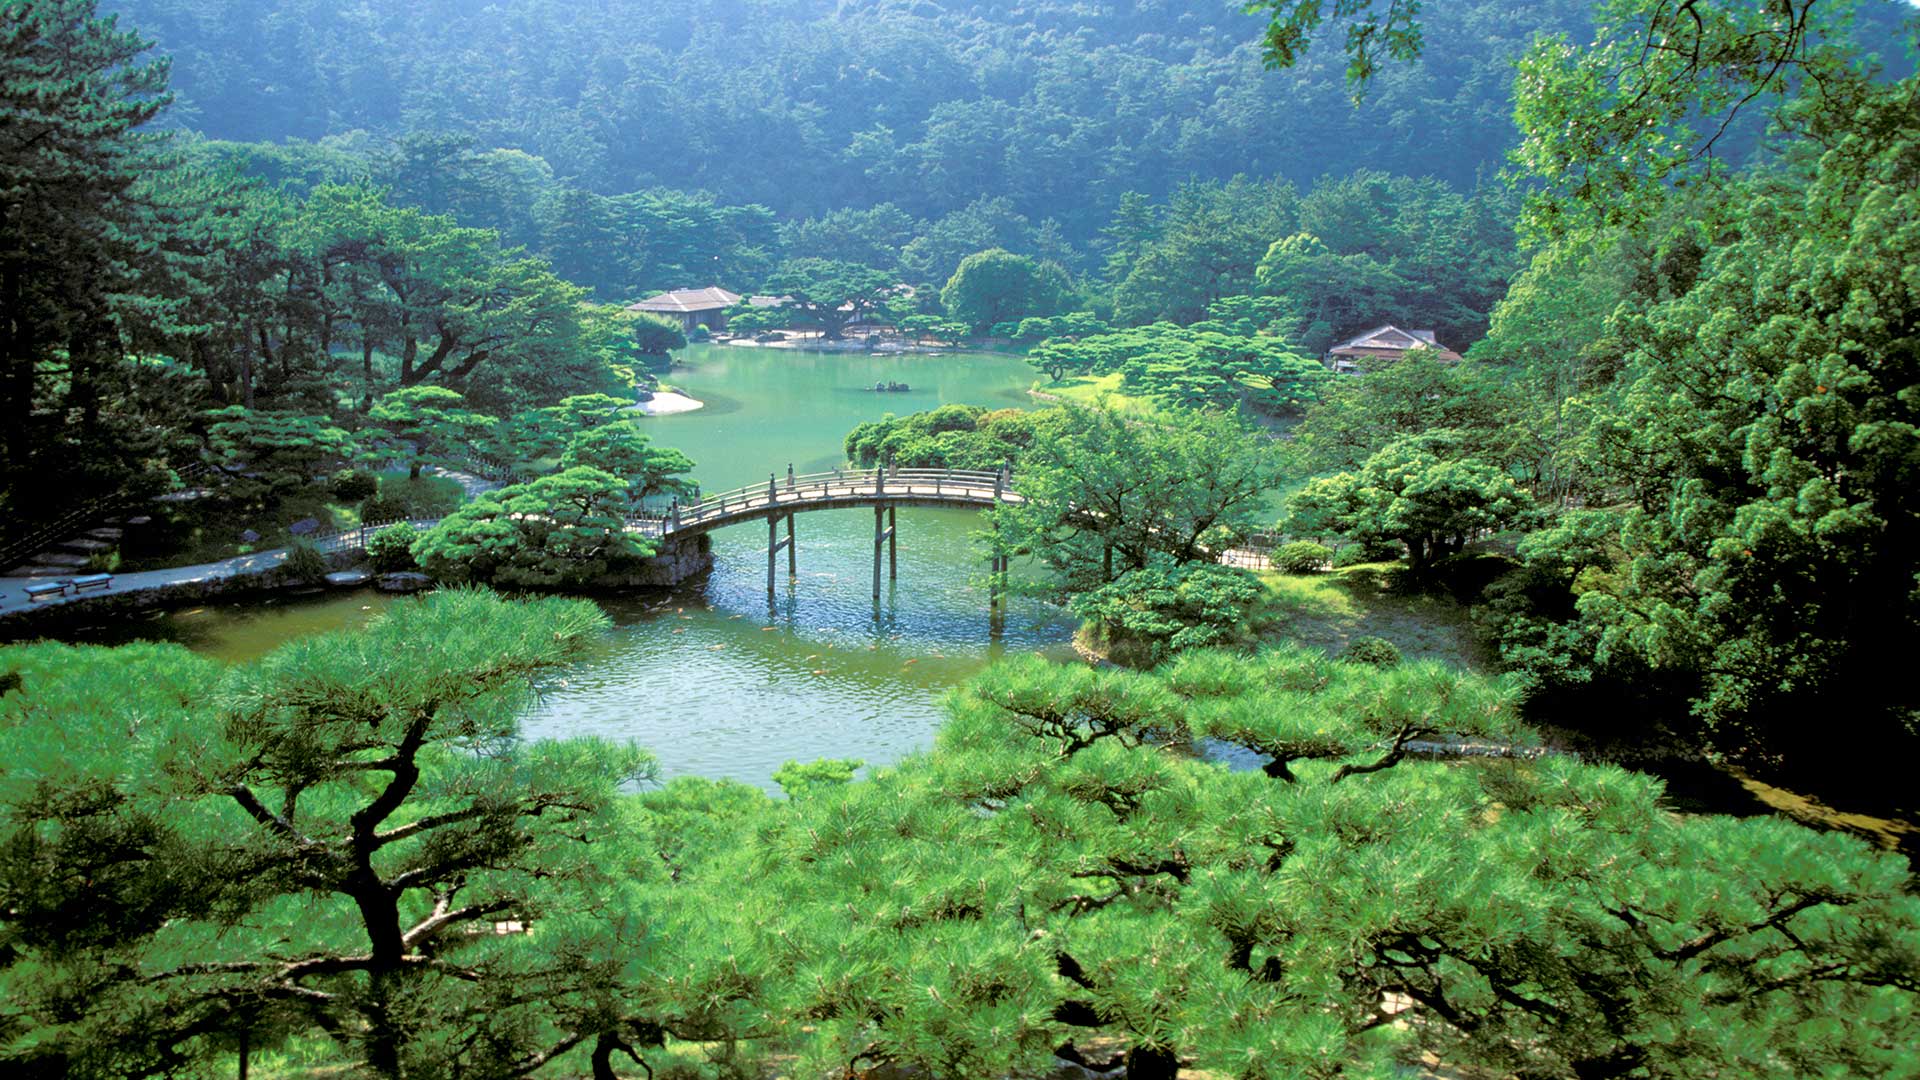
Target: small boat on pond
(890, 387)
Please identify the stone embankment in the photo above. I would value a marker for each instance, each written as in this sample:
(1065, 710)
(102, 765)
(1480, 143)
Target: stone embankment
(251, 576)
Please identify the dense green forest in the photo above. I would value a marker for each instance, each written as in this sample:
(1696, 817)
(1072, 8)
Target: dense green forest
(300, 258)
(808, 107)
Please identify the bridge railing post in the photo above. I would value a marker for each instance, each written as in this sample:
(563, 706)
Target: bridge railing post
(880, 479)
(772, 491)
(673, 513)
(789, 476)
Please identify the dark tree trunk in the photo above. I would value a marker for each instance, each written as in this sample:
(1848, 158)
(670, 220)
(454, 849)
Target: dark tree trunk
(245, 352)
(17, 349)
(412, 376)
(603, 1052)
(83, 378)
(466, 366)
(409, 352)
(1418, 555)
(366, 370)
(380, 915)
(1152, 1063)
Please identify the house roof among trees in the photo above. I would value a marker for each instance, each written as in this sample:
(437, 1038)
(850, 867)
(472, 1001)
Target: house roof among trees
(688, 301)
(1391, 341)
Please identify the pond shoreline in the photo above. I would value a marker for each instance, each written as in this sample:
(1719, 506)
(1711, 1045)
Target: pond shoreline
(668, 403)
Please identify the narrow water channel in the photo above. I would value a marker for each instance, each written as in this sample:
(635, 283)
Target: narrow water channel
(713, 678)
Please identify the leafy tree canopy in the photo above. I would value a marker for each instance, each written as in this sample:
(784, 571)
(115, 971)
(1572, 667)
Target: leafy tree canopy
(1105, 493)
(951, 437)
(830, 294)
(430, 425)
(563, 531)
(1051, 871)
(273, 453)
(625, 451)
(997, 286)
(1418, 491)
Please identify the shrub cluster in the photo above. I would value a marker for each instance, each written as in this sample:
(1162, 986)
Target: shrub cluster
(391, 550)
(1302, 557)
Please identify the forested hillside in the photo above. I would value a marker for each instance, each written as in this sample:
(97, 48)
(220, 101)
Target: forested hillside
(807, 106)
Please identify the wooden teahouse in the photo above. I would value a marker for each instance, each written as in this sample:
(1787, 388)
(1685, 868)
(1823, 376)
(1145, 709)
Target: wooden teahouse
(692, 307)
(1387, 342)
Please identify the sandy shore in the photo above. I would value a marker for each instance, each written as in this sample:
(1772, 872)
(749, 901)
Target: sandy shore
(668, 402)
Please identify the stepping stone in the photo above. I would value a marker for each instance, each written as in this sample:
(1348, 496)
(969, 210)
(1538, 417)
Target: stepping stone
(107, 533)
(61, 558)
(249, 537)
(408, 582)
(137, 521)
(38, 571)
(349, 579)
(84, 546)
(304, 527)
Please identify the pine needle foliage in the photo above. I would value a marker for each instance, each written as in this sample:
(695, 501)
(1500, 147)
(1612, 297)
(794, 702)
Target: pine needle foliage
(345, 837)
(1368, 871)
(1062, 865)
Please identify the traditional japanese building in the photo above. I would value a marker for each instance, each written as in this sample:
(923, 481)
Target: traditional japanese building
(1387, 342)
(691, 307)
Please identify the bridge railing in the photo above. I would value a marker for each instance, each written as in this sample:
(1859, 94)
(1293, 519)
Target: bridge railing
(853, 482)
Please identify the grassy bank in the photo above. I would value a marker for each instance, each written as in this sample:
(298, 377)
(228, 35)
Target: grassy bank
(1327, 610)
(1087, 389)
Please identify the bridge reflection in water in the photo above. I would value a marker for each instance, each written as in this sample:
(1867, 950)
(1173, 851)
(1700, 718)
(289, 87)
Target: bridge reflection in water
(883, 489)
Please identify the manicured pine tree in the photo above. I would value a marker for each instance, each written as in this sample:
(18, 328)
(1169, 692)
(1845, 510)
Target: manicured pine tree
(345, 838)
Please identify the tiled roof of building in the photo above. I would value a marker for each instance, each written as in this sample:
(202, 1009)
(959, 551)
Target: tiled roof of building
(1391, 341)
(687, 301)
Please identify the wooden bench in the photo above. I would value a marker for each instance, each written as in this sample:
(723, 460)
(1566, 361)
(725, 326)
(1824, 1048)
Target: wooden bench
(51, 588)
(93, 581)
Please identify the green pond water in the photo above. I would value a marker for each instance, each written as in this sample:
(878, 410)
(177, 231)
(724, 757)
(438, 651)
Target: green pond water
(710, 677)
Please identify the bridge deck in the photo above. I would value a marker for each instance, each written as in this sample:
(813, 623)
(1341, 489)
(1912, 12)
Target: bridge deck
(826, 491)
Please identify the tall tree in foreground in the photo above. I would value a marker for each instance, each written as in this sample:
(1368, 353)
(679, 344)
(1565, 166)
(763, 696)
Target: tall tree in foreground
(1052, 880)
(1770, 551)
(86, 238)
(346, 837)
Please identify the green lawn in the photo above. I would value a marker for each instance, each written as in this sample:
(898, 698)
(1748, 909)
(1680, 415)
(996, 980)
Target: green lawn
(1086, 389)
(1329, 609)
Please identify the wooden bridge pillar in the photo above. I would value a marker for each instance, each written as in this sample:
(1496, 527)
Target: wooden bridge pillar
(884, 533)
(997, 597)
(774, 544)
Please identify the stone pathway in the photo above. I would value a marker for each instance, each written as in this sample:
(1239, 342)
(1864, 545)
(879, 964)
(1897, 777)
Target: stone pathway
(13, 594)
(469, 483)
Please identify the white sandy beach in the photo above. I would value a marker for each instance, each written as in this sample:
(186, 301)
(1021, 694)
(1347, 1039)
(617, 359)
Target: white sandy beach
(668, 402)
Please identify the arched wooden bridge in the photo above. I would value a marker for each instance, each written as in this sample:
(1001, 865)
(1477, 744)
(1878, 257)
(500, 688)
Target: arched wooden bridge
(883, 489)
